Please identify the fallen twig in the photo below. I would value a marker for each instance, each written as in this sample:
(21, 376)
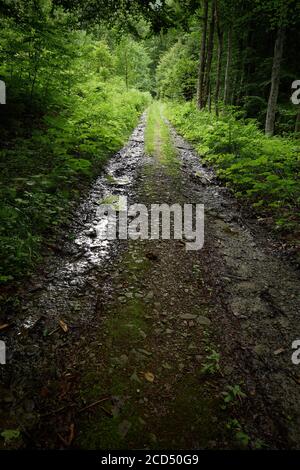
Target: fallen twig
(109, 413)
(53, 331)
(59, 410)
(94, 404)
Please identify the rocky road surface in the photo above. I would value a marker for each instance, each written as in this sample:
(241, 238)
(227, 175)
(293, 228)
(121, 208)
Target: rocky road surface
(143, 344)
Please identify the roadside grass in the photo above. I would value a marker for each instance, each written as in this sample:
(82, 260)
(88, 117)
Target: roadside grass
(158, 139)
(262, 171)
(120, 376)
(150, 129)
(46, 166)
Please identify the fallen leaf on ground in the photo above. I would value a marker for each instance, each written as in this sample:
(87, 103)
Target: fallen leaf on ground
(63, 326)
(279, 351)
(149, 376)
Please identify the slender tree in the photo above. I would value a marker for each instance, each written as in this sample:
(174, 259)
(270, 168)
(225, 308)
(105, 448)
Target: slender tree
(219, 61)
(275, 82)
(210, 49)
(202, 60)
(228, 68)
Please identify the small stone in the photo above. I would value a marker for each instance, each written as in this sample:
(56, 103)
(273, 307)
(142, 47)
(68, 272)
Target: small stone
(149, 296)
(123, 358)
(143, 334)
(188, 316)
(203, 321)
(260, 349)
(228, 370)
(144, 351)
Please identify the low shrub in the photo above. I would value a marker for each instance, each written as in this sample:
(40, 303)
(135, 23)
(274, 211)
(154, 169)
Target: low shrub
(263, 171)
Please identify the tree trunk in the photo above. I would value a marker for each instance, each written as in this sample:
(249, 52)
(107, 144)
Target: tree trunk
(228, 68)
(234, 89)
(209, 97)
(243, 53)
(219, 66)
(210, 49)
(275, 82)
(239, 95)
(202, 60)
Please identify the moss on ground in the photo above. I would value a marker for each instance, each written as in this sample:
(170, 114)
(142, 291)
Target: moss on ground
(158, 139)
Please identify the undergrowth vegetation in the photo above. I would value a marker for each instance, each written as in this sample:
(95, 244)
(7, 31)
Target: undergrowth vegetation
(42, 174)
(264, 171)
(68, 109)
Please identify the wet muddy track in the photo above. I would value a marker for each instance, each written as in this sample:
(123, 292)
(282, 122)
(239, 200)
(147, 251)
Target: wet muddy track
(253, 309)
(258, 309)
(68, 287)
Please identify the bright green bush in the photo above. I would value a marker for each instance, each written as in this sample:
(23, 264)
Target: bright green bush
(65, 115)
(177, 70)
(51, 164)
(264, 171)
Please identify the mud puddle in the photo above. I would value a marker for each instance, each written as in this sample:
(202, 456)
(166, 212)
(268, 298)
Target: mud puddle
(83, 253)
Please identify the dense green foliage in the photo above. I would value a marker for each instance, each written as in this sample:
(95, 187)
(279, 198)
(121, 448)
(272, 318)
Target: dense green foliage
(177, 70)
(252, 27)
(133, 64)
(262, 170)
(68, 108)
(158, 139)
(78, 74)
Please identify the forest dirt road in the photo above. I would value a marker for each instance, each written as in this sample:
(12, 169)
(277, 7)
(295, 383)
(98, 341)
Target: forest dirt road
(143, 344)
